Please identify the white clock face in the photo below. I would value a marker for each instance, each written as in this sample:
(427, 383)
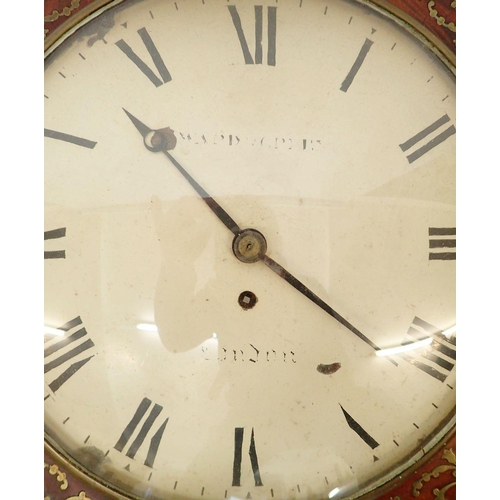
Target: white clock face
(174, 369)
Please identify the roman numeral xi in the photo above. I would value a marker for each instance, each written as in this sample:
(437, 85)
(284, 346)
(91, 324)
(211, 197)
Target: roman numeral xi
(271, 35)
(65, 349)
(141, 65)
(141, 435)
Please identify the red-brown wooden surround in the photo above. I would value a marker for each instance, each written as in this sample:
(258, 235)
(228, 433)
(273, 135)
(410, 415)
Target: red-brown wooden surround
(435, 480)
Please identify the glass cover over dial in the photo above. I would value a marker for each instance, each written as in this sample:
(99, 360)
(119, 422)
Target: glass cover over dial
(249, 248)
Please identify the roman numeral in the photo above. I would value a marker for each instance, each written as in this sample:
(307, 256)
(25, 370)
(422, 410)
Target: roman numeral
(74, 342)
(155, 56)
(437, 355)
(72, 139)
(359, 430)
(149, 420)
(357, 64)
(252, 451)
(441, 239)
(271, 35)
(422, 135)
(52, 235)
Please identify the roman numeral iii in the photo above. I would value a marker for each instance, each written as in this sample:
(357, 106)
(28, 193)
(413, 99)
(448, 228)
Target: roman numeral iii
(442, 243)
(141, 65)
(145, 428)
(252, 451)
(420, 138)
(271, 35)
(436, 356)
(66, 349)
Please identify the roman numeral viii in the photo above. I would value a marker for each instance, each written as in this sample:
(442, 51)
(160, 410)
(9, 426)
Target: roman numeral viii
(252, 451)
(424, 147)
(140, 437)
(271, 35)
(155, 56)
(66, 349)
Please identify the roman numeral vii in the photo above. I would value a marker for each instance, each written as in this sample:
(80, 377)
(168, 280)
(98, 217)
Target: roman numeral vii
(140, 437)
(271, 35)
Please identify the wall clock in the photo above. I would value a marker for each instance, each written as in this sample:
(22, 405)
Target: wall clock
(249, 249)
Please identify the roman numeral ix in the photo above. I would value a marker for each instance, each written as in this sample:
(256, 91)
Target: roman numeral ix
(437, 357)
(252, 451)
(271, 35)
(62, 351)
(424, 134)
(52, 235)
(441, 240)
(149, 420)
(155, 56)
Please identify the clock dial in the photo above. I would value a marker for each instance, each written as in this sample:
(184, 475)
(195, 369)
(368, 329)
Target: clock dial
(249, 249)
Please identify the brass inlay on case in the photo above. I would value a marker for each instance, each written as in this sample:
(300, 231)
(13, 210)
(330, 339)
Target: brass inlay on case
(440, 20)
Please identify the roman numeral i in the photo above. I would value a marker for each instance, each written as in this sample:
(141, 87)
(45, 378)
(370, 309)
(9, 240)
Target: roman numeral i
(271, 35)
(141, 65)
(154, 442)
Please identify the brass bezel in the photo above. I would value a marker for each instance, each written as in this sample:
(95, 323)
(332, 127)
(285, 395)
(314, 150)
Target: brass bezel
(442, 435)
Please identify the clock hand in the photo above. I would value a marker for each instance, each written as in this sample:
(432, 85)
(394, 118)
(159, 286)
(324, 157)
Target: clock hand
(249, 245)
(298, 285)
(157, 140)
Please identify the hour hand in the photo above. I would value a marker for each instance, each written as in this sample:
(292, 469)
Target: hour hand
(164, 140)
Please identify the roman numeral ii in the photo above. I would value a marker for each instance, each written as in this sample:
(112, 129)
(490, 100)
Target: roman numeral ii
(424, 147)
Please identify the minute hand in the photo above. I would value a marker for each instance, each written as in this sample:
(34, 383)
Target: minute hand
(298, 285)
